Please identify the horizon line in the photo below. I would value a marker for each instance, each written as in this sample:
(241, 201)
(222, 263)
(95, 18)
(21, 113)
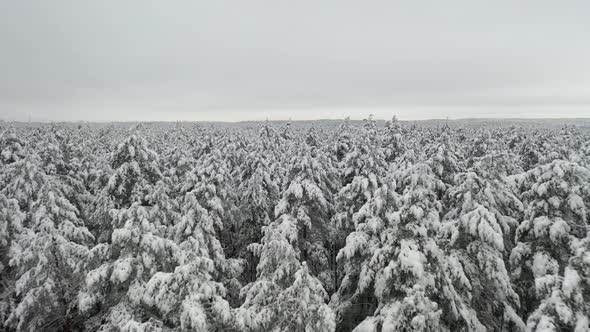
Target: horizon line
(299, 120)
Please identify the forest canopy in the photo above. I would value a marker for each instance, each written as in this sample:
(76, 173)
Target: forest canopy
(315, 226)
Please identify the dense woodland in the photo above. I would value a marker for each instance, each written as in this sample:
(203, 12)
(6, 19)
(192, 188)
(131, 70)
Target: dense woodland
(367, 225)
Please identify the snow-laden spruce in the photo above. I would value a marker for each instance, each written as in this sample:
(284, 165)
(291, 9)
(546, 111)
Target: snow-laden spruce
(370, 220)
(138, 250)
(188, 296)
(22, 180)
(48, 258)
(558, 205)
(285, 296)
(568, 307)
(11, 226)
(12, 147)
(404, 268)
(209, 185)
(363, 167)
(307, 199)
(475, 228)
(259, 191)
(445, 158)
(135, 168)
(393, 140)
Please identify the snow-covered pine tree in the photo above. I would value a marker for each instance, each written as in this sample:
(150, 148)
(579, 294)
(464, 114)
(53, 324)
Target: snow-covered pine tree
(579, 149)
(48, 258)
(226, 269)
(95, 172)
(445, 156)
(479, 146)
(529, 154)
(188, 297)
(563, 144)
(201, 143)
(558, 205)
(236, 151)
(344, 140)
(308, 200)
(90, 162)
(22, 180)
(11, 225)
(551, 147)
(52, 158)
(416, 286)
(497, 165)
(583, 155)
(12, 147)
(268, 135)
(285, 296)
(139, 249)
(476, 236)
(163, 209)
(259, 194)
(178, 163)
(311, 138)
(568, 307)
(363, 170)
(56, 153)
(393, 142)
(212, 184)
(355, 298)
(484, 143)
(135, 169)
(499, 194)
(286, 132)
(513, 137)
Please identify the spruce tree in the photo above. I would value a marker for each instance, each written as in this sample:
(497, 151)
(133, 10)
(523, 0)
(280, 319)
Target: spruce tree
(393, 141)
(188, 297)
(445, 157)
(285, 296)
(568, 307)
(476, 231)
(48, 258)
(12, 147)
(259, 194)
(22, 180)
(556, 217)
(307, 199)
(135, 170)
(139, 248)
(11, 227)
(417, 288)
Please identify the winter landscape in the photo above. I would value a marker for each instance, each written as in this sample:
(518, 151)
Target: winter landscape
(294, 166)
(304, 226)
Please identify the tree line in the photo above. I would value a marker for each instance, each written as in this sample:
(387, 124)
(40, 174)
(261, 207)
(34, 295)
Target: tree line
(318, 227)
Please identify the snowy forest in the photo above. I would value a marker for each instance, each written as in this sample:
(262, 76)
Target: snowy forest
(266, 226)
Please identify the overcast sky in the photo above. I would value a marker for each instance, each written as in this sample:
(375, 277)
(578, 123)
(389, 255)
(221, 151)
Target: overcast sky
(278, 59)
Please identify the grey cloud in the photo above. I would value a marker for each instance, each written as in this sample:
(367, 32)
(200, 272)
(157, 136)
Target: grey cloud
(102, 60)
